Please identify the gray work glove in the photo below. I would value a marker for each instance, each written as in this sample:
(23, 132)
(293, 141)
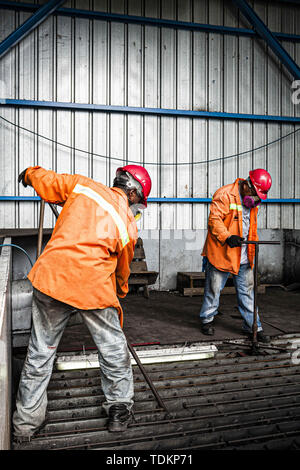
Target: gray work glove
(21, 178)
(234, 241)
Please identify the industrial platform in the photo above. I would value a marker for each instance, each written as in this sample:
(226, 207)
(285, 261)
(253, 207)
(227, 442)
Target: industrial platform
(234, 400)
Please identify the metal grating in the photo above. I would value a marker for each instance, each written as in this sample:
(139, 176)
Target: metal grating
(234, 401)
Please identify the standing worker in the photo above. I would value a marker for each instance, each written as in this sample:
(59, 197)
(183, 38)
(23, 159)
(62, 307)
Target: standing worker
(85, 268)
(232, 219)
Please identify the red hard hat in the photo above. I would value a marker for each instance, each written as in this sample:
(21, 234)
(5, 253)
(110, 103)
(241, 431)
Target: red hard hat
(261, 181)
(140, 174)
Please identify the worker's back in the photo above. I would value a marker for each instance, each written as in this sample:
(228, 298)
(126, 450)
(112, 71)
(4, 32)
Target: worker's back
(86, 261)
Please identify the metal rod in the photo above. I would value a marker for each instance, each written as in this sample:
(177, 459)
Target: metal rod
(254, 325)
(260, 242)
(147, 378)
(40, 233)
(54, 210)
(11, 102)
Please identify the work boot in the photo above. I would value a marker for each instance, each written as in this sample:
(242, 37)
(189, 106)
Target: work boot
(260, 336)
(25, 438)
(208, 329)
(118, 417)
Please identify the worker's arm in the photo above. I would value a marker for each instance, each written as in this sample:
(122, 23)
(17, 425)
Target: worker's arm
(123, 270)
(219, 209)
(50, 186)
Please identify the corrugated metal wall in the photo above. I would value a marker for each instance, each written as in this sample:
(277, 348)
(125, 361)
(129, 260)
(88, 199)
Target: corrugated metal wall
(91, 61)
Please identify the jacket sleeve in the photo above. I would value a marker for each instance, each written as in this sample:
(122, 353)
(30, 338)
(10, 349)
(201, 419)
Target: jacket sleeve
(219, 208)
(50, 186)
(123, 270)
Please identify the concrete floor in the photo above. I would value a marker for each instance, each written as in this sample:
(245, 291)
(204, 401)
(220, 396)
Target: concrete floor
(169, 318)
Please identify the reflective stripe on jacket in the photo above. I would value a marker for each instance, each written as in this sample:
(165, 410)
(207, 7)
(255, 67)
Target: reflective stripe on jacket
(225, 219)
(86, 261)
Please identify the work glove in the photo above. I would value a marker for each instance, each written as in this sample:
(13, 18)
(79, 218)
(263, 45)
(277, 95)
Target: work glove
(234, 241)
(21, 178)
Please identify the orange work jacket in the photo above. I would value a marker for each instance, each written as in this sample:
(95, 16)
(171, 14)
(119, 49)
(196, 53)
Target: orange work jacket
(226, 219)
(86, 261)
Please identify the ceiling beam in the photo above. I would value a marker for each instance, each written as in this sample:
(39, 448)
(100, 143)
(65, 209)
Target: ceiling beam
(269, 37)
(29, 25)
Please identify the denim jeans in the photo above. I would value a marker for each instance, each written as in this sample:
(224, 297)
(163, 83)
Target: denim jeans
(49, 318)
(215, 281)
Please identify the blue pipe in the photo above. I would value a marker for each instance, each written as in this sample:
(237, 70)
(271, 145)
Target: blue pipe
(20, 248)
(96, 15)
(159, 199)
(37, 18)
(150, 111)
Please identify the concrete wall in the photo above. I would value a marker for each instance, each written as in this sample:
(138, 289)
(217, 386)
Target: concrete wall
(292, 256)
(5, 348)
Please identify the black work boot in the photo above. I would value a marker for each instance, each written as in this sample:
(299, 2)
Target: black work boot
(118, 417)
(207, 329)
(260, 336)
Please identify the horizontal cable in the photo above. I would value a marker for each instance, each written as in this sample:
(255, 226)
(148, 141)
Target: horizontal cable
(148, 163)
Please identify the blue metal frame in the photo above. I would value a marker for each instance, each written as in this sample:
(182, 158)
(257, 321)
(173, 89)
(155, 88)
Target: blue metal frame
(32, 22)
(151, 111)
(96, 15)
(269, 37)
(156, 199)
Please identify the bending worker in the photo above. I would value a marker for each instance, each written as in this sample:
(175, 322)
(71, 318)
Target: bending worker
(232, 219)
(84, 267)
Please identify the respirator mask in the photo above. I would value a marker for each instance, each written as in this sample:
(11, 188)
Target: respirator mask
(251, 201)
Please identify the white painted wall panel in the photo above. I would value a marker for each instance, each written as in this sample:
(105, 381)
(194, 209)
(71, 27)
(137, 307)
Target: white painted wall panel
(90, 61)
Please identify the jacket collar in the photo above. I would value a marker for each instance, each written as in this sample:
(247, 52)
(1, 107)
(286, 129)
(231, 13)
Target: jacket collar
(235, 188)
(121, 192)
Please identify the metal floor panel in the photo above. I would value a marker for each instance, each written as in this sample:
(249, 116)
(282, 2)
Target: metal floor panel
(234, 401)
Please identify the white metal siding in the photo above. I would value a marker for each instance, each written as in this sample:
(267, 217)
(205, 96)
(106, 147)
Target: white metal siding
(92, 61)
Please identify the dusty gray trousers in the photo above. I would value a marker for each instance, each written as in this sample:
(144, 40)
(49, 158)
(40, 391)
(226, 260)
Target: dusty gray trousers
(49, 318)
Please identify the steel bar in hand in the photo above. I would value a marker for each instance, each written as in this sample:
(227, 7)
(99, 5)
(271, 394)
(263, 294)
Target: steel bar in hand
(147, 378)
(256, 243)
(40, 233)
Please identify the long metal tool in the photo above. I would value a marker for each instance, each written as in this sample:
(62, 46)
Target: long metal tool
(254, 326)
(147, 378)
(132, 351)
(40, 233)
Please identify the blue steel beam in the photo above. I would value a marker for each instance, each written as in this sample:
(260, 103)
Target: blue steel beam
(37, 18)
(158, 199)
(102, 16)
(269, 37)
(150, 111)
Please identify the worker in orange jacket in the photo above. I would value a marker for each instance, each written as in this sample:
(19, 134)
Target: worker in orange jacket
(84, 267)
(232, 219)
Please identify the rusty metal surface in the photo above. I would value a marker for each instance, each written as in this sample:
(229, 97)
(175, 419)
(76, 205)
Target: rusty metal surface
(233, 401)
